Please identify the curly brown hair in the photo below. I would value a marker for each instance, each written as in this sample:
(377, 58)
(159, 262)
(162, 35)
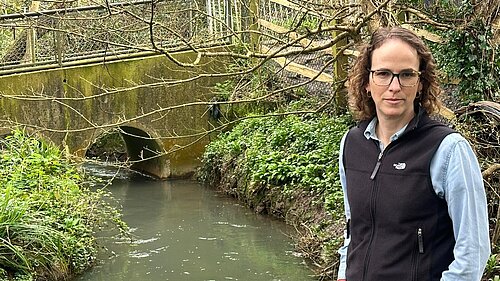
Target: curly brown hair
(361, 105)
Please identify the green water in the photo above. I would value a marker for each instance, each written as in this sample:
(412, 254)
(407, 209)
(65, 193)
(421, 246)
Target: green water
(183, 231)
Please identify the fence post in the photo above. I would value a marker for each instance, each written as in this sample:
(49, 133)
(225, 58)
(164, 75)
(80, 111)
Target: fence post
(58, 42)
(253, 27)
(30, 54)
(210, 18)
(30, 45)
(340, 73)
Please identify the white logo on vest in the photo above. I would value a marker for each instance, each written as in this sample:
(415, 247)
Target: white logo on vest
(399, 166)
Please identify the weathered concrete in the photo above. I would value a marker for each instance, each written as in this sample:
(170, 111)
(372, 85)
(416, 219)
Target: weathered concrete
(61, 105)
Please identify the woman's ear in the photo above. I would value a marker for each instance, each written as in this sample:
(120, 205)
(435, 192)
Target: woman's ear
(367, 87)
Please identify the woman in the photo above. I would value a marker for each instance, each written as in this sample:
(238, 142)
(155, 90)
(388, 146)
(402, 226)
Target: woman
(414, 197)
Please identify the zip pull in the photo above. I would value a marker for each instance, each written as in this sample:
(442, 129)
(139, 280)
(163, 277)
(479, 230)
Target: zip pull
(377, 166)
(420, 238)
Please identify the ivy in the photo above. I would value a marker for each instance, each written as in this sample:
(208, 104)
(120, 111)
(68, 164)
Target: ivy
(470, 57)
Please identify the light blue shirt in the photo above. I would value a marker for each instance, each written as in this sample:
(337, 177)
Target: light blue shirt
(456, 177)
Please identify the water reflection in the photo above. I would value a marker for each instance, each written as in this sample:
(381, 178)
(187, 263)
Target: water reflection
(185, 232)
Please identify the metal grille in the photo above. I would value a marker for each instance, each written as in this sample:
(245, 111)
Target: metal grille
(224, 18)
(57, 36)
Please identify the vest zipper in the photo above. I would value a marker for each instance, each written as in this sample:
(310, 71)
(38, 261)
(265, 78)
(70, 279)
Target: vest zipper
(377, 166)
(372, 231)
(373, 202)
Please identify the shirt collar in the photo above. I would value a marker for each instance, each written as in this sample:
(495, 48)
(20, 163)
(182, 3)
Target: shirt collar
(370, 132)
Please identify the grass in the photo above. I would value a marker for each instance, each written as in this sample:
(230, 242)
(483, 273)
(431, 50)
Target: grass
(47, 212)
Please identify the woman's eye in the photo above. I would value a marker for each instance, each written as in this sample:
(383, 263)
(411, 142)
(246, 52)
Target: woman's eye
(383, 73)
(407, 74)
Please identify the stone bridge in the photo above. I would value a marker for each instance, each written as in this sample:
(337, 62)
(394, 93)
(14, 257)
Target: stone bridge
(159, 107)
(72, 74)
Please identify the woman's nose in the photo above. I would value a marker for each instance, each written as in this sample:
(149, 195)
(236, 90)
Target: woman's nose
(395, 85)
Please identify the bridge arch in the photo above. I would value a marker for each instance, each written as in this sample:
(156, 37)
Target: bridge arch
(144, 152)
(141, 149)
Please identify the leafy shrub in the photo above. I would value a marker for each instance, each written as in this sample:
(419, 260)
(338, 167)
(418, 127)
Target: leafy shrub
(292, 153)
(470, 57)
(47, 215)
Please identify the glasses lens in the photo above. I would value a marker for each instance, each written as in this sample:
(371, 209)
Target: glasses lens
(382, 77)
(408, 78)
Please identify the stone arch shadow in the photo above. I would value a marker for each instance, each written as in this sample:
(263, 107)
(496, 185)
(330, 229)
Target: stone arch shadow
(143, 151)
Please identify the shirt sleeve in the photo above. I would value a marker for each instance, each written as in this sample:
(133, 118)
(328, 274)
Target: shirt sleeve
(457, 178)
(343, 250)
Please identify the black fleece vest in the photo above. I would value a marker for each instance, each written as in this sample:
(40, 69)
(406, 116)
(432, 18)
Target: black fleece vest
(399, 228)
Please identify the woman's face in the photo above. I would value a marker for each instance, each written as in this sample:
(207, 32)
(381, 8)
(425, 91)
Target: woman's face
(394, 102)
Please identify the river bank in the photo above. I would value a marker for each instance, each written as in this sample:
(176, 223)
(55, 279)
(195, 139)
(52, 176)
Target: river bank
(287, 168)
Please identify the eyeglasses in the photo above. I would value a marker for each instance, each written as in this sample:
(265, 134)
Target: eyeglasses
(406, 78)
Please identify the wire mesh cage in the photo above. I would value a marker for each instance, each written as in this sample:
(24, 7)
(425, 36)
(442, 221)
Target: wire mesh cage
(302, 31)
(65, 34)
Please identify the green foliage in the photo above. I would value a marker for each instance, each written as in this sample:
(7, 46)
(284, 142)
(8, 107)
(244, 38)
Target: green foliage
(470, 56)
(29, 164)
(108, 147)
(302, 25)
(442, 10)
(47, 215)
(6, 39)
(224, 90)
(258, 86)
(292, 153)
(110, 141)
(492, 266)
(254, 85)
(14, 6)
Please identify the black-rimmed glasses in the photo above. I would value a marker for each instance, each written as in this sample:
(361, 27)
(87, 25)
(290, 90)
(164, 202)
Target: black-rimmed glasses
(406, 78)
